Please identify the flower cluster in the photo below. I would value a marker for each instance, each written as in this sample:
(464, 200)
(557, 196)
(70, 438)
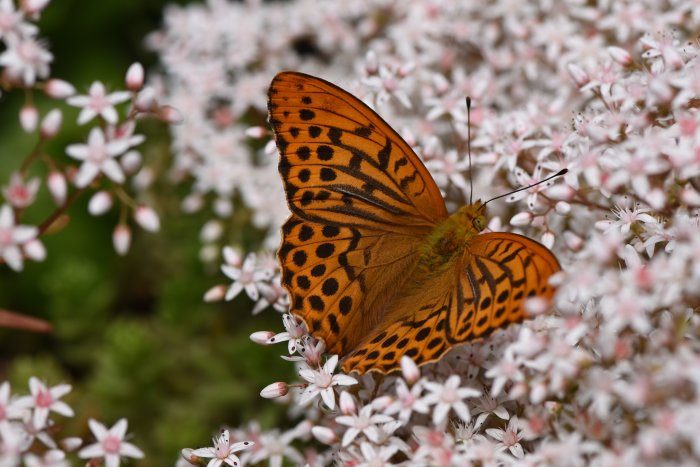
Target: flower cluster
(608, 90)
(28, 430)
(104, 163)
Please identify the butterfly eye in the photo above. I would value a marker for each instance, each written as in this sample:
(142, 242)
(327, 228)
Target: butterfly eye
(479, 223)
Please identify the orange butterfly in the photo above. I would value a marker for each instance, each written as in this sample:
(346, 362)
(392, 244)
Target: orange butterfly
(373, 263)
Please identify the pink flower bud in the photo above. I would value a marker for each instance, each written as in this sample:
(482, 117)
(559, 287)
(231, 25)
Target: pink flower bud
(560, 191)
(371, 63)
(146, 100)
(232, 256)
(170, 115)
(573, 241)
(71, 443)
(211, 231)
(521, 218)
(121, 239)
(215, 294)
(131, 162)
(256, 132)
(324, 434)
(35, 250)
(100, 203)
(548, 239)
(134, 77)
(51, 124)
(579, 76)
(57, 187)
(147, 218)
(58, 89)
(29, 118)
(347, 404)
(274, 390)
(192, 203)
(262, 337)
(620, 55)
(33, 7)
(409, 370)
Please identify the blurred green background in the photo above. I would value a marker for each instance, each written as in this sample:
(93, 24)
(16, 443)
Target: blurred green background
(131, 334)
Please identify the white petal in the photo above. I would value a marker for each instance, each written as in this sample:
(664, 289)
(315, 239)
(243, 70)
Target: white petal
(62, 408)
(440, 413)
(113, 170)
(110, 115)
(24, 233)
(233, 291)
(328, 397)
(129, 450)
(93, 450)
(13, 257)
(344, 380)
(87, 173)
(86, 115)
(349, 435)
(60, 390)
(112, 460)
(308, 395)
(98, 429)
(329, 367)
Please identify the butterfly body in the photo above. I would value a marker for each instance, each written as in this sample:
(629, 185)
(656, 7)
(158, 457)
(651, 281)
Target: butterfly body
(371, 259)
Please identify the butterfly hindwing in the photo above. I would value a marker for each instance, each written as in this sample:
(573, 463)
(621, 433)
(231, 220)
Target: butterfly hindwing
(488, 291)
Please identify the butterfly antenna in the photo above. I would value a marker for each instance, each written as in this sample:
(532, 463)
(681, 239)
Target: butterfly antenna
(558, 174)
(469, 147)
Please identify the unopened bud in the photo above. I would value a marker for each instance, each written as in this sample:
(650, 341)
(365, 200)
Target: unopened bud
(51, 124)
(147, 218)
(35, 250)
(256, 132)
(146, 100)
(33, 7)
(521, 218)
(324, 434)
(58, 89)
(170, 115)
(29, 118)
(57, 187)
(562, 207)
(274, 390)
(347, 404)
(548, 239)
(215, 294)
(121, 239)
(262, 337)
(620, 55)
(100, 203)
(131, 162)
(579, 76)
(409, 370)
(134, 77)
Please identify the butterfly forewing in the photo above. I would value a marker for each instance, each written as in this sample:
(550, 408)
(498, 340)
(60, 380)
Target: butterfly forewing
(361, 200)
(341, 163)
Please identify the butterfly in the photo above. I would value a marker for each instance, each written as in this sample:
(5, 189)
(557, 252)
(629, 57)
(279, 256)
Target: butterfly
(373, 262)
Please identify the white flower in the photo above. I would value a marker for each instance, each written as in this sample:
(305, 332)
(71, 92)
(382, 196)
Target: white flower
(376, 456)
(110, 444)
(25, 59)
(223, 452)
(275, 447)
(364, 422)
(245, 278)
(12, 236)
(407, 401)
(294, 334)
(448, 396)
(98, 102)
(97, 156)
(508, 438)
(44, 400)
(322, 382)
(52, 458)
(20, 194)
